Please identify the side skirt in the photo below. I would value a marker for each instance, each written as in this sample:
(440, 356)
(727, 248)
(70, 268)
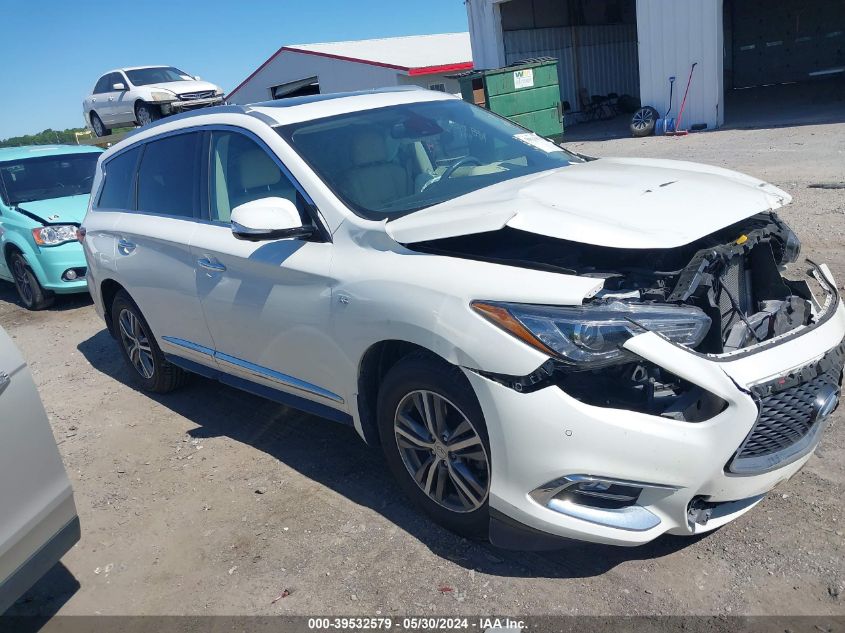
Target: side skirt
(295, 402)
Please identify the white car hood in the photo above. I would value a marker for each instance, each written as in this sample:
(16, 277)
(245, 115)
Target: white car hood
(183, 87)
(618, 202)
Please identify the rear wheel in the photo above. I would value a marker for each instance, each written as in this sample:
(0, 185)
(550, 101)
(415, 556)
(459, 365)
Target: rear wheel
(435, 442)
(99, 127)
(32, 294)
(146, 113)
(140, 350)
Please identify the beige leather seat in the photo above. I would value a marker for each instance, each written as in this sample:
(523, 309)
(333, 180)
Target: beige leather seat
(373, 181)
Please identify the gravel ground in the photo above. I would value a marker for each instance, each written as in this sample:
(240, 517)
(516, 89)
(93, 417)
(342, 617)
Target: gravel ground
(211, 501)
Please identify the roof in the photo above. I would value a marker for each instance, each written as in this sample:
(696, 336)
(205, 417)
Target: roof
(286, 111)
(34, 151)
(413, 54)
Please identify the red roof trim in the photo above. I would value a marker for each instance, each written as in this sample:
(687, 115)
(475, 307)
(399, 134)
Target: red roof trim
(344, 58)
(424, 70)
(444, 68)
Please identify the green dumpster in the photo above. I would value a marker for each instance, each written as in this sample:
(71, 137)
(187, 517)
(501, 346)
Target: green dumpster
(526, 92)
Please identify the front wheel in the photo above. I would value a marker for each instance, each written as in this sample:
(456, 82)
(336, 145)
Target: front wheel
(31, 292)
(146, 113)
(140, 350)
(435, 442)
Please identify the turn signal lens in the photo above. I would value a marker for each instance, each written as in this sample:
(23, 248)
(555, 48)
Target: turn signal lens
(501, 317)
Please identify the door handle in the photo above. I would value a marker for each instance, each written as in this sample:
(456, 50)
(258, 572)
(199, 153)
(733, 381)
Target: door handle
(4, 381)
(125, 246)
(209, 265)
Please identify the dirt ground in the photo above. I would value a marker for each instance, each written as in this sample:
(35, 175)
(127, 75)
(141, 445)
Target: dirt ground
(212, 501)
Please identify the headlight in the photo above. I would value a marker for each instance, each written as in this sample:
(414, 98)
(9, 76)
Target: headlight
(592, 336)
(161, 95)
(54, 235)
(218, 93)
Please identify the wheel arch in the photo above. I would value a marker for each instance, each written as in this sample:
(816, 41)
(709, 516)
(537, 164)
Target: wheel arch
(15, 244)
(108, 291)
(376, 361)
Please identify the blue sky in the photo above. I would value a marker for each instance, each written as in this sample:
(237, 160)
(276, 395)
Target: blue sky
(54, 50)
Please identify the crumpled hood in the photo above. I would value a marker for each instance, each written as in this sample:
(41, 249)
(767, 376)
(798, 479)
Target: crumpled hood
(183, 87)
(617, 202)
(70, 210)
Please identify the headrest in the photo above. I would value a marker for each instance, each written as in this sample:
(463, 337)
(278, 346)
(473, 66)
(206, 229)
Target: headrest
(258, 170)
(368, 147)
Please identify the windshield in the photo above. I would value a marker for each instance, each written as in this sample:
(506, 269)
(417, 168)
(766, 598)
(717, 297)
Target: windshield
(392, 161)
(159, 75)
(47, 177)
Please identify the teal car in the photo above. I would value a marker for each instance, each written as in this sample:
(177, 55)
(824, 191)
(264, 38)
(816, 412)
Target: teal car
(44, 191)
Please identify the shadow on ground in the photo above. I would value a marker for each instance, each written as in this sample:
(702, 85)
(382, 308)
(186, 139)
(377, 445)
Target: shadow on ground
(9, 294)
(43, 600)
(334, 456)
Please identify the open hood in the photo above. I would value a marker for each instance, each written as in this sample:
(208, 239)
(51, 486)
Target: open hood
(69, 210)
(616, 202)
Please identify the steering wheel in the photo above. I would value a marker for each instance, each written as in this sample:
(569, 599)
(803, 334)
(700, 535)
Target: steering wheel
(450, 170)
(459, 163)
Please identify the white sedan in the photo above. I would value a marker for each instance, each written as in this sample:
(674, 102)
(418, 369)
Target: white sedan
(143, 94)
(543, 344)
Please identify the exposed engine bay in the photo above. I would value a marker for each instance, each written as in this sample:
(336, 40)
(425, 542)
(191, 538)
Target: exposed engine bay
(732, 275)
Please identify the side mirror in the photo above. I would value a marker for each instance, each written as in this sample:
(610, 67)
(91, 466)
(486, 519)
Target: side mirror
(118, 86)
(268, 219)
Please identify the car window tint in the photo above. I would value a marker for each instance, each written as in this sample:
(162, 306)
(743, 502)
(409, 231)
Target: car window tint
(242, 171)
(169, 174)
(119, 184)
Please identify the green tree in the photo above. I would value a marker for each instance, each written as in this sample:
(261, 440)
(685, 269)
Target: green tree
(47, 137)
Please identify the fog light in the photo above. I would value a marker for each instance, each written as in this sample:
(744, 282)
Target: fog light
(72, 274)
(607, 502)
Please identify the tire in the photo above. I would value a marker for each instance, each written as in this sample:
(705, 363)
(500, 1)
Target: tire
(146, 113)
(98, 126)
(423, 377)
(140, 350)
(643, 121)
(32, 294)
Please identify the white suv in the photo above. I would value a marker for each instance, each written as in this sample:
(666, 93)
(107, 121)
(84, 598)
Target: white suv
(143, 94)
(542, 343)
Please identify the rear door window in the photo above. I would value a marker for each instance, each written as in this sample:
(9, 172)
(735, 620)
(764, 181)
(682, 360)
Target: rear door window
(169, 175)
(102, 85)
(118, 191)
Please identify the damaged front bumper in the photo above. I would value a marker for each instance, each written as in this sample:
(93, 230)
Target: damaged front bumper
(648, 474)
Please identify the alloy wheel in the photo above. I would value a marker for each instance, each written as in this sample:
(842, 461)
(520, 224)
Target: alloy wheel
(642, 118)
(442, 451)
(23, 282)
(136, 342)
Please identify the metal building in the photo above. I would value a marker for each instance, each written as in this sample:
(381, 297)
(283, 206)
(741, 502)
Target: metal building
(423, 60)
(634, 46)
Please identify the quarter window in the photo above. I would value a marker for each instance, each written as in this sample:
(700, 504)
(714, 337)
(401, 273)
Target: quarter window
(118, 190)
(168, 178)
(241, 171)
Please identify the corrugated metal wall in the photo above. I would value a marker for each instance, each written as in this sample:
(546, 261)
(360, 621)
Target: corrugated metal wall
(600, 59)
(673, 35)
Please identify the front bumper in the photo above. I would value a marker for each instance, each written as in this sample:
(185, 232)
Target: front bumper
(51, 263)
(174, 107)
(545, 435)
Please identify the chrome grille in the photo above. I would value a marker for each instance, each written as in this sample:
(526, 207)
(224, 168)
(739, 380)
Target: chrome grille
(192, 96)
(789, 422)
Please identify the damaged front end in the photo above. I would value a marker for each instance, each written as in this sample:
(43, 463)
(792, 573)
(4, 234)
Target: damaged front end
(723, 294)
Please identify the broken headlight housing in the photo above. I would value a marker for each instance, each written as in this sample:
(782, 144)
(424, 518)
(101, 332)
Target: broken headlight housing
(592, 336)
